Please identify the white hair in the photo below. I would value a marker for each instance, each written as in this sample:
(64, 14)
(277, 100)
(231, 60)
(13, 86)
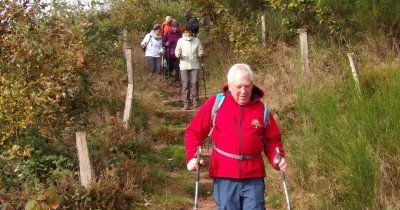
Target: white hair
(168, 19)
(240, 69)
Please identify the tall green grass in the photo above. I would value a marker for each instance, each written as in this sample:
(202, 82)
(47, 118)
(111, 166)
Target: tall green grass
(348, 150)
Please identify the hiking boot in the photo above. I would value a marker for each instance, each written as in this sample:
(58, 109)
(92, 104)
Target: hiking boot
(185, 107)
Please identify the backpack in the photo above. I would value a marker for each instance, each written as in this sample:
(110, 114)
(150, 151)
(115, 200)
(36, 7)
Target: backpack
(217, 104)
(146, 43)
(194, 22)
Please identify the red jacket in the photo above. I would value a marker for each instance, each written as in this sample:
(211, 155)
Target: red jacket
(238, 130)
(165, 27)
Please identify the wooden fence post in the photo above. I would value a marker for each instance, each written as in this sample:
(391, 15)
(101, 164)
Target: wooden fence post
(128, 105)
(125, 39)
(128, 58)
(354, 71)
(129, 91)
(304, 51)
(264, 39)
(84, 162)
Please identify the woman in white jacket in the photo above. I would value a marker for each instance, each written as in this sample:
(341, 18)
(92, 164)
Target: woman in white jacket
(189, 50)
(152, 43)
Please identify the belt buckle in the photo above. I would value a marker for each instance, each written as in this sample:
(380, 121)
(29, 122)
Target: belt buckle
(247, 157)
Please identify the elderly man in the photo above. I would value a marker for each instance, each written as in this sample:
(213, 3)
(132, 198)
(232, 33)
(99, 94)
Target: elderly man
(167, 25)
(240, 134)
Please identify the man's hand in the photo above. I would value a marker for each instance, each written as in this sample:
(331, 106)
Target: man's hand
(280, 163)
(192, 164)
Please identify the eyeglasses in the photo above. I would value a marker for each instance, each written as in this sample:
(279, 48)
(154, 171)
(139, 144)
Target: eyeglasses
(189, 32)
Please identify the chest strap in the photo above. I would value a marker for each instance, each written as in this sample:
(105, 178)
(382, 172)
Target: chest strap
(234, 156)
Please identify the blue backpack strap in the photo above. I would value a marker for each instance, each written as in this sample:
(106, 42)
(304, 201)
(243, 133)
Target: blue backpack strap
(266, 122)
(217, 104)
(266, 114)
(220, 98)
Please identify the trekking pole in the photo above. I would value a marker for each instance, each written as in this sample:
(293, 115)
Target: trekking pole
(204, 78)
(162, 66)
(196, 193)
(285, 187)
(167, 63)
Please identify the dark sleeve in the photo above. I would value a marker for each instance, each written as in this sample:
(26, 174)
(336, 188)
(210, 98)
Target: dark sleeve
(165, 39)
(195, 25)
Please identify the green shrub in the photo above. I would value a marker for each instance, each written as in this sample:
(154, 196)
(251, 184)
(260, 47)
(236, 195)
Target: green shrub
(347, 141)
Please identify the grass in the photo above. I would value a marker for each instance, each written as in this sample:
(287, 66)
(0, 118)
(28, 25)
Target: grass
(344, 138)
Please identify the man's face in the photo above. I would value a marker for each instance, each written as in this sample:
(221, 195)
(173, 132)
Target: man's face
(241, 88)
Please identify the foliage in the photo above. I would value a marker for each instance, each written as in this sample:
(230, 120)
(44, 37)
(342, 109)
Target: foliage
(47, 200)
(348, 134)
(43, 68)
(15, 108)
(102, 34)
(131, 15)
(312, 15)
(40, 77)
(340, 18)
(379, 18)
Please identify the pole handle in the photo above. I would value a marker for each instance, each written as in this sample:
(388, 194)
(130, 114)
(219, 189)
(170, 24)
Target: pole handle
(198, 154)
(278, 156)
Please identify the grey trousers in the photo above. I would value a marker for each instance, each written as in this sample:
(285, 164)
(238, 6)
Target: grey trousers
(153, 65)
(190, 85)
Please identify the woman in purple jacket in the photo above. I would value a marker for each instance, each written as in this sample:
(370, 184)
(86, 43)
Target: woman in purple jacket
(169, 42)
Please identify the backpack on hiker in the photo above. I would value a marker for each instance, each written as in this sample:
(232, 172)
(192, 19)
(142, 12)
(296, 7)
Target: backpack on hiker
(194, 23)
(146, 44)
(217, 104)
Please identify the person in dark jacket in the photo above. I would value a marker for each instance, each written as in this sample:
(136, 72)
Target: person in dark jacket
(169, 43)
(239, 137)
(193, 22)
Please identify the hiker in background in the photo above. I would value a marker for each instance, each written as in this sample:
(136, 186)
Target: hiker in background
(167, 25)
(152, 46)
(169, 43)
(192, 21)
(189, 50)
(240, 133)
